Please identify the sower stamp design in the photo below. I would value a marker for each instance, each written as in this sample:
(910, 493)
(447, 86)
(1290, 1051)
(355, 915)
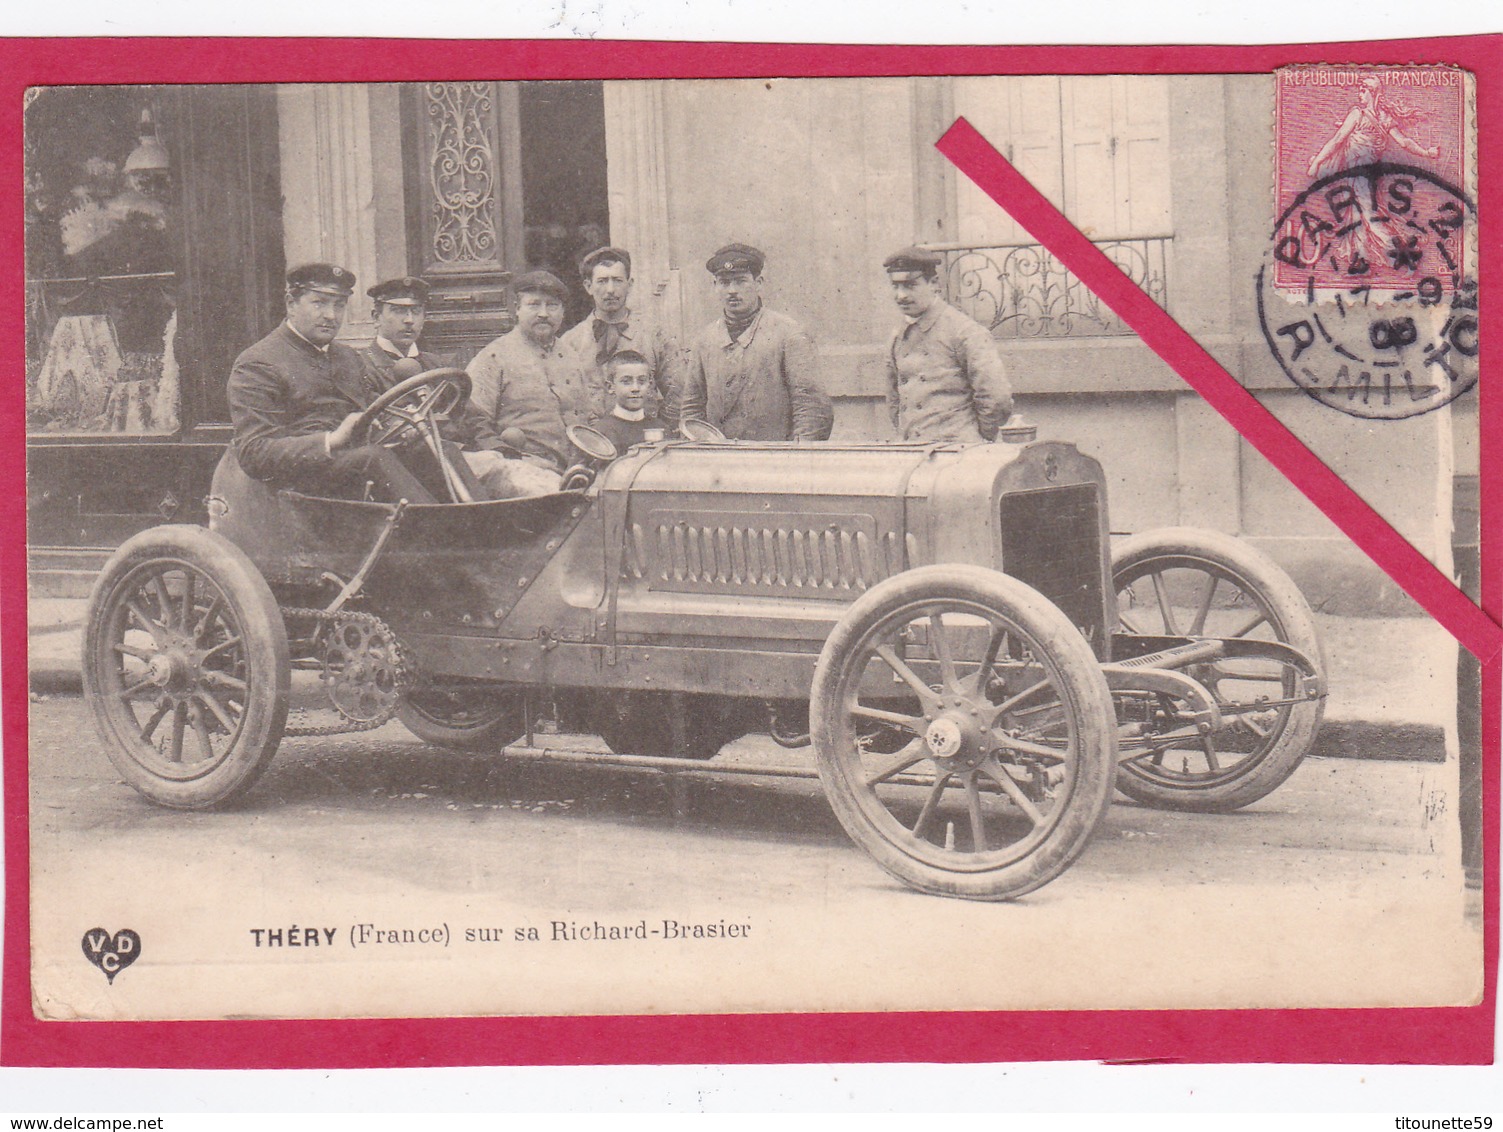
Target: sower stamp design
(1334, 121)
(1368, 298)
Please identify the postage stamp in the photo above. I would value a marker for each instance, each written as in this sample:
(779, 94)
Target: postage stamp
(1368, 298)
(1331, 125)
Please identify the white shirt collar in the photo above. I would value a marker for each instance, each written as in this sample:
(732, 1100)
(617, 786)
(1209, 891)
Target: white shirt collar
(629, 414)
(315, 345)
(385, 344)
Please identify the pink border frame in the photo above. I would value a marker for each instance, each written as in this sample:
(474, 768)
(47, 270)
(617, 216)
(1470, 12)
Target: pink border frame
(1452, 1035)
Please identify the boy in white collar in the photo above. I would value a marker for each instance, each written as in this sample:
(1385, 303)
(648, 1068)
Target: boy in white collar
(629, 381)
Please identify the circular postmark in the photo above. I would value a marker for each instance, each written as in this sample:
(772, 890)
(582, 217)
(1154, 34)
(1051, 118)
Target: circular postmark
(1366, 297)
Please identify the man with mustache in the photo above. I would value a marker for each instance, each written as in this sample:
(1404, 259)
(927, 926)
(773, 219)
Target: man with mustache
(295, 397)
(945, 379)
(613, 326)
(754, 374)
(530, 388)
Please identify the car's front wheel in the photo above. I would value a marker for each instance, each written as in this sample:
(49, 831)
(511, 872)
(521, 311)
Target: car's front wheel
(1010, 745)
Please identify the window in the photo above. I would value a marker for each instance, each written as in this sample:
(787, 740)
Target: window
(1098, 148)
(101, 270)
(153, 253)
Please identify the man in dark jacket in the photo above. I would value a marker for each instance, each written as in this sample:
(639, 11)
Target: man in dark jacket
(401, 307)
(754, 374)
(295, 397)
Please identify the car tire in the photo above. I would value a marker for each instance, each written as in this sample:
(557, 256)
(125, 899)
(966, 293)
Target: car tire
(464, 719)
(185, 667)
(1285, 617)
(1013, 802)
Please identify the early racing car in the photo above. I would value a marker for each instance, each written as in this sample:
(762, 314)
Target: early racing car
(947, 625)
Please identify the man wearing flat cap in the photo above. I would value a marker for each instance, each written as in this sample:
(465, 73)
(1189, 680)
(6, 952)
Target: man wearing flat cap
(399, 311)
(527, 385)
(295, 396)
(945, 379)
(613, 326)
(401, 307)
(753, 375)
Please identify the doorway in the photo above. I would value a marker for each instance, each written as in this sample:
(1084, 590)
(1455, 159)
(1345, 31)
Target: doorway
(565, 202)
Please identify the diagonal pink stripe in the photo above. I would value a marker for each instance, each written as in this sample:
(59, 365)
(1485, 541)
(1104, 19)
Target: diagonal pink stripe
(974, 156)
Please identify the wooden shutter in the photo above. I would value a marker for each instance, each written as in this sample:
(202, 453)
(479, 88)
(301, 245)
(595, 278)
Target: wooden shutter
(1116, 154)
(1020, 116)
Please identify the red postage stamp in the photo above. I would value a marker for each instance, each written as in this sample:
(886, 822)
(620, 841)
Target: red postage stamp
(1372, 168)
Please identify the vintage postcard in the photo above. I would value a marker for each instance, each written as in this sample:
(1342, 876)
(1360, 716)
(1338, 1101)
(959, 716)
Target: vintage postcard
(553, 548)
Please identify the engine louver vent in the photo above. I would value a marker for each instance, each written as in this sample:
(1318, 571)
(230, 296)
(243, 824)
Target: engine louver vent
(810, 555)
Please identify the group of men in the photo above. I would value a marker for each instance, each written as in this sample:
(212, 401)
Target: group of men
(297, 397)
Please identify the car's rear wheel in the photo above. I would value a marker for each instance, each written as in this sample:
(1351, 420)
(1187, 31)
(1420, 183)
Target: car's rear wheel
(676, 725)
(464, 718)
(1187, 582)
(1011, 745)
(185, 667)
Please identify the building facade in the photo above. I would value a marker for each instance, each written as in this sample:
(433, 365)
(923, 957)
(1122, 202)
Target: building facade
(160, 221)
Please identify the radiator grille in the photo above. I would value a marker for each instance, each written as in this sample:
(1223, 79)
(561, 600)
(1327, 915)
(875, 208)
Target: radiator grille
(1051, 539)
(730, 552)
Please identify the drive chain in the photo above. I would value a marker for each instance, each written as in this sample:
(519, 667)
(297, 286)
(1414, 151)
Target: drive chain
(404, 678)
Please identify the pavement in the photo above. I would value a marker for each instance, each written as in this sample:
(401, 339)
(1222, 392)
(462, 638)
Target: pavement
(1392, 680)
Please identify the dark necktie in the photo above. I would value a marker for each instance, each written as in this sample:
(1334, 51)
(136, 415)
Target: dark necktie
(737, 326)
(607, 338)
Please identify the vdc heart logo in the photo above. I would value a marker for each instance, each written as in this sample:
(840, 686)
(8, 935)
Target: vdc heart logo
(111, 953)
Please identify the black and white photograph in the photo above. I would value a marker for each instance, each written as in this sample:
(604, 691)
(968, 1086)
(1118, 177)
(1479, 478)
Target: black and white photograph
(681, 546)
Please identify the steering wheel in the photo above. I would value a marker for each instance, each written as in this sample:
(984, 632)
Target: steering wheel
(408, 404)
(413, 407)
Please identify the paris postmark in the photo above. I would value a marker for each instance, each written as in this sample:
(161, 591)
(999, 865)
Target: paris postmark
(1368, 293)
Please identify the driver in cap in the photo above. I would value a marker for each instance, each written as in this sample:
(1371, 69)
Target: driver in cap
(399, 311)
(296, 396)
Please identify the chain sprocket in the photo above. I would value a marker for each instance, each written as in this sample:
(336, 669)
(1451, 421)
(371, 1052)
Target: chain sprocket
(363, 669)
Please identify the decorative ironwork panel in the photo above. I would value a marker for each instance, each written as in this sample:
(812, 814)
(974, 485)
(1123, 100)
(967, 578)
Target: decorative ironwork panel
(462, 173)
(1022, 291)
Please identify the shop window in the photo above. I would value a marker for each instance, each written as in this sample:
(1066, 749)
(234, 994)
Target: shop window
(101, 271)
(153, 253)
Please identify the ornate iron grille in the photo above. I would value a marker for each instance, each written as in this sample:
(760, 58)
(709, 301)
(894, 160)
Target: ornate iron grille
(1022, 291)
(461, 123)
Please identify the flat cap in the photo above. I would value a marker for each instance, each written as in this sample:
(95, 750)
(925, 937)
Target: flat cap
(408, 291)
(326, 277)
(544, 281)
(736, 257)
(912, 261)
(587, 265)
